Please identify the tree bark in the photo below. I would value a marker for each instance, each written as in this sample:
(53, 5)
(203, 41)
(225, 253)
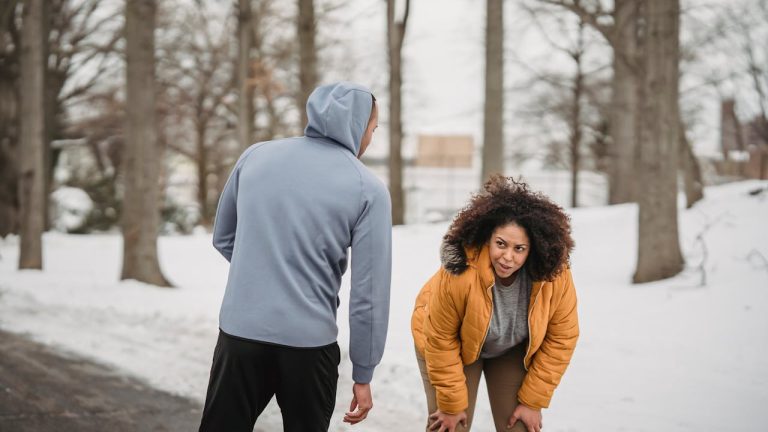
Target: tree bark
(307, 55)
(493, 127)
(140, 215)
(659, 255)
(395, 37)
(689, 165)
(32, 173)
(9, 122)
(576, 128)
(624, 103)
(245, 86)
(202, 175)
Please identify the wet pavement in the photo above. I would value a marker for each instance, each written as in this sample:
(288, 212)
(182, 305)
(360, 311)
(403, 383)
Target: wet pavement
(43, 390)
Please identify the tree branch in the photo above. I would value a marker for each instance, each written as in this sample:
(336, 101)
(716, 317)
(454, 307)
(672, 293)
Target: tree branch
(590, 18)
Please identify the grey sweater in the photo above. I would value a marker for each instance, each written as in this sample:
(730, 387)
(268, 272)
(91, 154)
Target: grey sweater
(509, 321)
(288, 214)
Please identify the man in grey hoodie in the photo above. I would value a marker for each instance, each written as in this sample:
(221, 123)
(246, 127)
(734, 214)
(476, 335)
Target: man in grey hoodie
(286, 218)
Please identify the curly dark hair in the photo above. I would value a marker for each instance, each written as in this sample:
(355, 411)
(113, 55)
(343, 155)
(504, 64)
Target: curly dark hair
(506, 200)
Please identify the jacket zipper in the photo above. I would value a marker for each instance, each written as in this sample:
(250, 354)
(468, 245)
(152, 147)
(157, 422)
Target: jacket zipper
(480, 351)
(529, 329)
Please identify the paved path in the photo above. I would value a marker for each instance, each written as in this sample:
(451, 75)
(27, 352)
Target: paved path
(44, 391)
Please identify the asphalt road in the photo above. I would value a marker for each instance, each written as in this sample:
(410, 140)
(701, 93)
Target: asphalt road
(45, 391)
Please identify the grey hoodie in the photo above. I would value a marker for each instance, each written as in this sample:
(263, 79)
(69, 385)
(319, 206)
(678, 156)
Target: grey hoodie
(286, 218)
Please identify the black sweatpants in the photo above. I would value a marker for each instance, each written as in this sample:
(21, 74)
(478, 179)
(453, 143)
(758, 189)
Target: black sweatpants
(246, 374)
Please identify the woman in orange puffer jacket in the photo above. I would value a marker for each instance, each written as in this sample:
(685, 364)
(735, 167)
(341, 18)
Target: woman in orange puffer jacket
(502, 304)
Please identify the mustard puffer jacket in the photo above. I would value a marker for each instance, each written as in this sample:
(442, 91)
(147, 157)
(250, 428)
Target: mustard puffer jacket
(451, 318)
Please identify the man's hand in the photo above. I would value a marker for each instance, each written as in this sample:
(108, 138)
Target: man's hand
(362, 402)
(444, 422)
(530, 417)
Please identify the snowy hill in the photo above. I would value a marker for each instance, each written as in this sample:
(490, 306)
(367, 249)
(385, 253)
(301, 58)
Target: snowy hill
(671, 356)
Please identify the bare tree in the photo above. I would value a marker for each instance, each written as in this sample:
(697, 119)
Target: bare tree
(659, 253)
(32, 172)
(140, 218)
(307, 55)
(493, 125)
(748, 23)
(274, 72)
(689, 165)
(573, 101)
(245, 84)
(620, 29)
(196, 76)
(576, 121)
(623, 38)
(395, 38)
(82, 37)
(10, 41)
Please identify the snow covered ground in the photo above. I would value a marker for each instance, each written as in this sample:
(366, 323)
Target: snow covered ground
(667, 356)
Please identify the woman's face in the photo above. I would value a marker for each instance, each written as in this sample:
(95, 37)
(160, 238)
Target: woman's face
(509, 248)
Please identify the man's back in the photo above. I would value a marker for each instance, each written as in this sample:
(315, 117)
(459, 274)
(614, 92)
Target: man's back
(298, 202)
(288, 214)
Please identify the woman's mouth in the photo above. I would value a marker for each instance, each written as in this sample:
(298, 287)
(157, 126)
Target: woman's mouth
(504, 267)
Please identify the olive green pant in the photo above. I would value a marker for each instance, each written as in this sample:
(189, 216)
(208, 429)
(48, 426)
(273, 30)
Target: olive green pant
(503, 377)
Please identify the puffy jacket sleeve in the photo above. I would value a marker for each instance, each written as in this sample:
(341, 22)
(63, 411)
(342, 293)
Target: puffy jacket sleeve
(551, 360)
(442, 350)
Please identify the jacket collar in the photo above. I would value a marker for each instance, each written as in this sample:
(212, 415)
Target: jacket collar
(456, 258)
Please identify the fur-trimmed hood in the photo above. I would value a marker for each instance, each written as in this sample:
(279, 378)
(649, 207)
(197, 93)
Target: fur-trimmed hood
(453, 257)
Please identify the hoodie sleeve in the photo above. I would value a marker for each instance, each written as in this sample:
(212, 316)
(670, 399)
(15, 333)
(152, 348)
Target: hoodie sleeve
(371, 272)
(225, 225)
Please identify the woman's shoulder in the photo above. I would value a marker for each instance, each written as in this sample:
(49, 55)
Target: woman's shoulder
(563, 280)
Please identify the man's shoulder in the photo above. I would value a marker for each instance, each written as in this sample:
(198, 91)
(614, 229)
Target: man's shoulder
(373, 185)
(261, 146)
(273, 143)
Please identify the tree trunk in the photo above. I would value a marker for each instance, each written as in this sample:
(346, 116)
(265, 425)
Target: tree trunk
(245, 86)
(624, 103)
(32, 173)
(395, 37)
(576, 128)
(140, 214)
(659, 254)
(9, 146)
(9, 205)
(202, 175)
(689, 165)
(493, 127)
(307, 55)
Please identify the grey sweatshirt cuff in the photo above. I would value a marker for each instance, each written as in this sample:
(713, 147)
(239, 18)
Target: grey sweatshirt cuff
(362, 374)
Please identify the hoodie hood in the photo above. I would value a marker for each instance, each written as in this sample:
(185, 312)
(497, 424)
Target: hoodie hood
(339, 111)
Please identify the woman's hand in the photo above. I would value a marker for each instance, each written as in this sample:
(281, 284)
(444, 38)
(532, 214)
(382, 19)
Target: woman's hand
(530, 417)
(444, 422)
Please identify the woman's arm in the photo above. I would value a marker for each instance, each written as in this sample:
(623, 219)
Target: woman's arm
(442, 351)
(554, 355)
